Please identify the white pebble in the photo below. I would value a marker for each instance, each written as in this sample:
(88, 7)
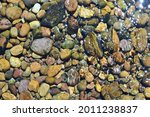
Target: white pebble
(36, 8)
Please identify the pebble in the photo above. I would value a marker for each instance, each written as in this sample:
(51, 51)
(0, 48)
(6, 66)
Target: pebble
(14, 32)
(36, 8)
(42, 46)
(54, 70)
(115, 40)
(4, 65)
(125, 45)
(127, 66)
(118, 57)
(110, 78)
(2, 76)
(146, 80)
(23, 85)
(65, 54)
(50, 80)
(5, 24)
(34, 24)
(61, 96)
(85, 12)
(146, 60)
(82, 85)
(17, 73)
(33, 85)
(13, 12)
(101, 27)
(24, 30)
(29, 16)
(2, 43)
(8, 96)
(16, 50)
(27, 72)
(25, 95)
(43, 89)
(35, 67)
(41, 14)
(147, 92)
(30, 3)
(9, 74)
(98, 87)
(15, 62)
(71, 5)
(124, 74)
(89, 76)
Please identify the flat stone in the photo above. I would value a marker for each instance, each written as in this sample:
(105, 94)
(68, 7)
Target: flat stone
(16, 50)
(54, 70)
(24, 30)
(33, 85)
(36, 8)
(4, 65)
(35, 67)
(42, 46)
(43, 89)
(5, 24)
(8, 96)
(15, 62)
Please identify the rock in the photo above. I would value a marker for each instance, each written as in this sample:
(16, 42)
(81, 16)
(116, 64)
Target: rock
(27, 72)
(9, 74)
(92, 46)
(146, 60)
(54, 14)
(42, 46)
(4, 65)
(35, 67)
(146, 80)
(61, 96)
(25, 95)
(118, 57)
(41, 14)
(124, 74)
(13, 12)
(118, 25)
(73, 77)
(122, 5)
(65, 54)
(147, 92)
(101, 27)
(71, 5)
(2, 76)
(17, 73)
(36, 8)
(89, 76)
(23, 86)
(139, 39)
(54, 70)
(14, 1)
(34, 24)
(16, 50)
(141, 18)
(50, 80)
(125, 45)
(24, 65)
(29, 16)
(24, 30)
(46, 32)
(8, 96)
(85, 12)
(54, 91)
(30, 3)
(140, 96)
(127, 66)
(98, 87)
(82, 85)
(15, 62)
(68, 44)
(115, 40)
(110, 78)
(13, 89)
(33, 85)
(14, 32)
(3, 42)
(126, 97)
(5, 24)
(43, 89)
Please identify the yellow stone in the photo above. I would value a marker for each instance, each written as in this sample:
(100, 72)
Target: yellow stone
(33, 85)
(8, 96)
(54, 70)
(4, 65)
(101, 27)
(98, 87)
(85, 12)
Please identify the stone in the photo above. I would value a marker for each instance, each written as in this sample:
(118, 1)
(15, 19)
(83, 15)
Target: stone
(13, 89)
(9, 74)
(29, 3)
(61, 96)
(101, 27)
(23, 85)
(33, 85)
(16, 50)
(122, 5)
(118, 57)
(5, 24)
(54, 70)
(68, 44)
(98, 87)
(72, 25)
(86, 13)
(139, 39)
(13, 12)
(43, 89)
(125, 45)
(41, 14)
(35, 67)
(14, 1)
(42, 46)
(46, 32)
(25, 95)
(17, 73)
(146, 60)
(29, 16)
(124, 74)
(89, 76)
(147, 92)
(3, 42)
(141, 18)
(127, 66)
(8, 96)
(54, 14)
(36, 8)
(14, 32)
(50, 80)
(65, 54)
(115, 40)
(2, 76)
(24, 30)
(73, 77)
(34, 24)
(92, 46)
(71, 5)
(146, 80)
(15, 62)
(24, 65)
(4, 65)
(110, 78)
(27, 72)
(82, 85)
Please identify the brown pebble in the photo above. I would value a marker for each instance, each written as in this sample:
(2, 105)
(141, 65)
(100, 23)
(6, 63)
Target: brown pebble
(71, 5)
